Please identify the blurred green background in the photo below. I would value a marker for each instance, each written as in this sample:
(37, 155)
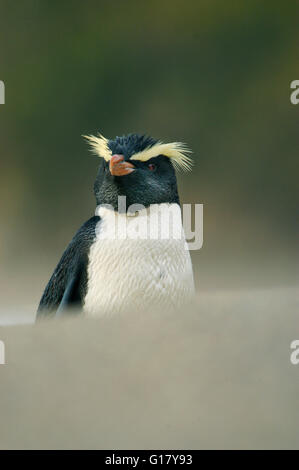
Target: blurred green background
(213, 74)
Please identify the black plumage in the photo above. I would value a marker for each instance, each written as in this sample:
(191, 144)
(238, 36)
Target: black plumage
(67, 285)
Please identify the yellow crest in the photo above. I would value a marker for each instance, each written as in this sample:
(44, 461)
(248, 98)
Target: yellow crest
(177, 151)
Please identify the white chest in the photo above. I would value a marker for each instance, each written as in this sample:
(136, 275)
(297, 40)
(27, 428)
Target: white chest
(138, 262)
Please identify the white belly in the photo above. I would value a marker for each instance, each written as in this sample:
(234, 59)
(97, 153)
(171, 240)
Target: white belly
(127, 270)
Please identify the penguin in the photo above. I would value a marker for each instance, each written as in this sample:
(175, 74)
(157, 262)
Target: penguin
(132, 254)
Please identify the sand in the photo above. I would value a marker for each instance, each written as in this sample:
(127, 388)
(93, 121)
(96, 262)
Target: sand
(216, 375)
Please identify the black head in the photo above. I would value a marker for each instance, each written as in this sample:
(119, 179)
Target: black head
(142, 182)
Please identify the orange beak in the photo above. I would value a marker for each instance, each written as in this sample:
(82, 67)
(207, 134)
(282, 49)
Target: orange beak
(118, 167)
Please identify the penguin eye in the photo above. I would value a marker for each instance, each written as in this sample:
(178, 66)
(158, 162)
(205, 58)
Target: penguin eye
(151, 166)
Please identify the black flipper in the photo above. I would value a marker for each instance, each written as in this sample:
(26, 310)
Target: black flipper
(67, 286)
(71, 297)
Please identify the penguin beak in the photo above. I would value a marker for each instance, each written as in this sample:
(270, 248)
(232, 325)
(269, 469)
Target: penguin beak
(118, 167)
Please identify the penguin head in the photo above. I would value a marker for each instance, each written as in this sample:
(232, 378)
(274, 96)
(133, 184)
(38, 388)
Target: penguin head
(138, 167)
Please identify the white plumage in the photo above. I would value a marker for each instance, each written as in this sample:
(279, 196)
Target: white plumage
(128, 268)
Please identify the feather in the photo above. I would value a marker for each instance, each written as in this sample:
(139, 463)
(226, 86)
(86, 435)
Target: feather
(99, 146)
(176, 151)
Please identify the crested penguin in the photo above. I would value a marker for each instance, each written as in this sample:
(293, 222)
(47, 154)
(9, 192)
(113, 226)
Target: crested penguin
(132, 253)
